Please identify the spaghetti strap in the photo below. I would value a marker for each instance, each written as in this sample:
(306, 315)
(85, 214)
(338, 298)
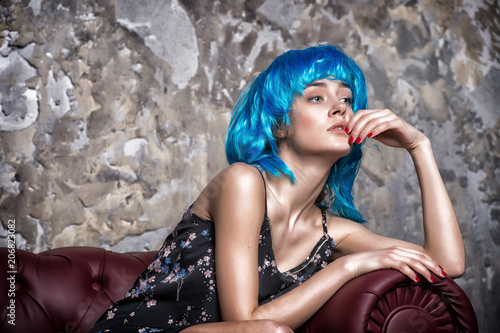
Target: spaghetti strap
(265, 192)
(323, 214)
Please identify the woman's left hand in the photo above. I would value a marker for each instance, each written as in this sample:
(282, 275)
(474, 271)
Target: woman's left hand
(384, 126)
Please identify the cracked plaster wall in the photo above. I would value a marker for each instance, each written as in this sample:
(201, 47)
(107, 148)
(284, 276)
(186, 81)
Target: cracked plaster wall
(113, 114)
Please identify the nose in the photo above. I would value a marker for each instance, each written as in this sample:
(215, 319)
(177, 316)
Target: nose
(338, 108)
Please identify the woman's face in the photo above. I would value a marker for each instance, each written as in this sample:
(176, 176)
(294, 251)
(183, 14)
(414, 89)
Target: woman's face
(319, 118)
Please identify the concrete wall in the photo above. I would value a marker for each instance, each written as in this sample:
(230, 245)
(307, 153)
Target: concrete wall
(113, 113)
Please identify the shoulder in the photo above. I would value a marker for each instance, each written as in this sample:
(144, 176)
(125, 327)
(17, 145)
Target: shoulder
(340, 228)
(351, 237)
(241, 172)
(237, 177)
(239, 186)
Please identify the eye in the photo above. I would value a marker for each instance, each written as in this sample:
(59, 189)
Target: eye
(316, 99)
(347, 100)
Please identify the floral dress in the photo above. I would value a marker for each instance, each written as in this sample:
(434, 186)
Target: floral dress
(178, 288)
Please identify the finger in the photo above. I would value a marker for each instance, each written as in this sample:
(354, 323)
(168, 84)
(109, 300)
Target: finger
(421, 263)
(420, 269)
(383, 126)
(363, 117)
(407, 270)
(360, 114)
(371, 124)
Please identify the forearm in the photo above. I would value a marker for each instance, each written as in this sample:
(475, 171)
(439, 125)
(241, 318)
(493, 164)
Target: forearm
(239, 326)
(297, 306)
(292, 309)
(443, 240)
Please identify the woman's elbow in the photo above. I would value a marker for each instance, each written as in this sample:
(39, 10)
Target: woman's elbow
(456, 269)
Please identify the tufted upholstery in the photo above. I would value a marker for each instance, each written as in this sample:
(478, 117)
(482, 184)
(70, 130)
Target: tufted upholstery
(386, 301)
(67, 289)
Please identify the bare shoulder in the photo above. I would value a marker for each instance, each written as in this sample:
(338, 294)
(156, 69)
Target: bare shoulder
(350, 237)
(340, 228)
(241, 173)
(236, 177)
(237, 185)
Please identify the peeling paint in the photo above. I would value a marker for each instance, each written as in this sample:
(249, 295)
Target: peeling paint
(18, 103)
(167, 31)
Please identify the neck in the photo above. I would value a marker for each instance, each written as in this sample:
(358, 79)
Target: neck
(310, 173)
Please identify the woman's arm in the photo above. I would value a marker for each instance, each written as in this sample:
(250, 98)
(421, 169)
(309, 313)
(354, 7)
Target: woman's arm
(443, 240)
(238, 212)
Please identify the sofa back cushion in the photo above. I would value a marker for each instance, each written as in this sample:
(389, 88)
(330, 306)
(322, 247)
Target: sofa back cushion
(65, 289)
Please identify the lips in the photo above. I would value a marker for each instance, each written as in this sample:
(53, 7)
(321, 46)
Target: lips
(338, 126)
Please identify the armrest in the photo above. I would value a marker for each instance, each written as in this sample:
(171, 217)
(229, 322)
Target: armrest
(387, 301)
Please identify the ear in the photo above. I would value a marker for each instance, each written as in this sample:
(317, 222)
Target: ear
(281, 132)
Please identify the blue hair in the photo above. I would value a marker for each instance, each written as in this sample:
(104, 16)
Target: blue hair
(264, 107)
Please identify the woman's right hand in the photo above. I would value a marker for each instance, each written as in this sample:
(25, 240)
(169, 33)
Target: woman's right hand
(410, 262)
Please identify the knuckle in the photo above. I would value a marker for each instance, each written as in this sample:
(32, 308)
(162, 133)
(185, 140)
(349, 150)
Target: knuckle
(413, 262)
(394, 250)
(401, 266)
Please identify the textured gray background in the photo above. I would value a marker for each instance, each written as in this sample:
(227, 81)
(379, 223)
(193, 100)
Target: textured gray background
(113, 113)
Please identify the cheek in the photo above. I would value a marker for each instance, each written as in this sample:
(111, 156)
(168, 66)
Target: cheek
(308, 119)
(350, 113)
(301, 126)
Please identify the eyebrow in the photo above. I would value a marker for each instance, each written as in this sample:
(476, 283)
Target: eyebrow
(322, 84)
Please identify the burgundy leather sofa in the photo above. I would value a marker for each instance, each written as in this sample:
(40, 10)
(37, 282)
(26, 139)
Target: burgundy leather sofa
(67, 289)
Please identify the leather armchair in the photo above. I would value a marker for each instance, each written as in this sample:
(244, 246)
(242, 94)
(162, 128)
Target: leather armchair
(67, 289)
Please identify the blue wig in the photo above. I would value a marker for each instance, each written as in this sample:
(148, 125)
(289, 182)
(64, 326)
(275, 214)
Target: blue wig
(265, 104)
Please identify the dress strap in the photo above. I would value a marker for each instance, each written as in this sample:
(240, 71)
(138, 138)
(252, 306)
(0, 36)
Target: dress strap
(323, 214)
(265, 193)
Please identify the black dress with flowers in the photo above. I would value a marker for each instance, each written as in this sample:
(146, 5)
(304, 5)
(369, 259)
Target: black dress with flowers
(178, 288)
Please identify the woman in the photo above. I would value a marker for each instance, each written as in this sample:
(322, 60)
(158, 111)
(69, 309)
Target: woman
(294, 149)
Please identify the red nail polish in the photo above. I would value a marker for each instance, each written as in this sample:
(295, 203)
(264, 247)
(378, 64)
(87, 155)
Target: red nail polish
(358, 141)
(432, 279)
(347, 129)
(351, 139)
(417, 279)
(442, 271)
(370, 135)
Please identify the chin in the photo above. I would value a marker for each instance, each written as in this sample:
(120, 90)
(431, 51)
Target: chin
(340, 152)
(344, 150)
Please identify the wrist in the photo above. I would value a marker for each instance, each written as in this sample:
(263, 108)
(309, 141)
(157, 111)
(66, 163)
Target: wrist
(424, 148)
(349, 269)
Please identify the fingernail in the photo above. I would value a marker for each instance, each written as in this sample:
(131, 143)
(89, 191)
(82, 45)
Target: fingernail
(358, 141)
(351, 139)
(432, 279)
(442, 271)
(347, 129)
(370, 135)
(417, 279)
